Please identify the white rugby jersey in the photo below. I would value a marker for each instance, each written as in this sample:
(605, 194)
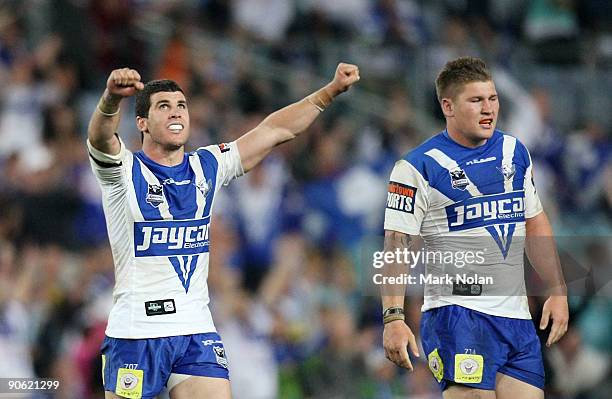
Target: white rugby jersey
(158, 220)
(467, 200)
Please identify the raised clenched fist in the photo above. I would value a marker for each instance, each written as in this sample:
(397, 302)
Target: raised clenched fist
(346, 75)
(124, 82)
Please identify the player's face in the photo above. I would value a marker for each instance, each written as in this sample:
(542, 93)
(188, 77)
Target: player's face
(473, 112)
(168, 121)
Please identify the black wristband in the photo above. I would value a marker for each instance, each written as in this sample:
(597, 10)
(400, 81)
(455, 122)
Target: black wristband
(393, 311)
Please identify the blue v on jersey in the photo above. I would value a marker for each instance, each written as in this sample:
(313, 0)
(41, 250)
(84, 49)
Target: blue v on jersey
(478, 198)
(158, 220)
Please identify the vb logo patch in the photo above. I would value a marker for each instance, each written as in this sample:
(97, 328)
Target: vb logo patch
(468, 368)
(220, 355)
(401, 197)
(435, 364)
(129, 383)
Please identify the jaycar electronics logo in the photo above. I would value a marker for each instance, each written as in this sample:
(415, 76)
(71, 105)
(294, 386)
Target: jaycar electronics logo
(498, 214)
(171, 237)
(401, 197)
(180, 240)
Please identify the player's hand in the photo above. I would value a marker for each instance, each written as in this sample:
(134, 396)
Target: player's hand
(555, 308)
(345, 76)
(397, 338)
(124, 82)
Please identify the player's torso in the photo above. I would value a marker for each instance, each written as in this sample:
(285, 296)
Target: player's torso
(476, 211)
(474, 191)
(162, 248)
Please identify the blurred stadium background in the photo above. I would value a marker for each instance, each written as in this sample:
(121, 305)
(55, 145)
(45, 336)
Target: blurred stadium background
(285, 265)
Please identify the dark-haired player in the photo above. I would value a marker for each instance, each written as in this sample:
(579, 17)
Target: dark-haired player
(158, 204)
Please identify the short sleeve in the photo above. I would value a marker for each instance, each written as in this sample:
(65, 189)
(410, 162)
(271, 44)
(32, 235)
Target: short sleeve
(228, 159)
(406, 199)
(107, 168)
(533, 206)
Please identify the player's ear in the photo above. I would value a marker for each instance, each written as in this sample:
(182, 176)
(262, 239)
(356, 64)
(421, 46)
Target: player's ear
(447, 107)
(142, 124)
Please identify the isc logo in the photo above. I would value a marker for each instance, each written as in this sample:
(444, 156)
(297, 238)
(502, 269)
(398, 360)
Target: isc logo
(167, 238)
(486, 211)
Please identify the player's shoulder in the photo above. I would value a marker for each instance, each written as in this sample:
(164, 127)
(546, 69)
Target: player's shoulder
(216, 150)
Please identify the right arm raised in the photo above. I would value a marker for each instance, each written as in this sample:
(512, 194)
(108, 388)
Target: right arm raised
(105, 119)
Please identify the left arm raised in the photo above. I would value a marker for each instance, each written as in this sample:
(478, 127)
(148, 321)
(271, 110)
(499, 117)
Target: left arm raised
(286, 123)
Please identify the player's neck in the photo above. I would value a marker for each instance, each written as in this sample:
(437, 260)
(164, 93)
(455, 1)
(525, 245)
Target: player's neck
(164, 156)
(463, 139)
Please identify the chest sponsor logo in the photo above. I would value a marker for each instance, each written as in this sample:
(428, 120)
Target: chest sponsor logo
(486, 211)
(459, 180)
(171, 237)
(401, 197)
(498, 214)
(155, 195)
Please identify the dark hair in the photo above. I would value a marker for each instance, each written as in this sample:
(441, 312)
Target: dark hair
(458, 72)
(143, 97)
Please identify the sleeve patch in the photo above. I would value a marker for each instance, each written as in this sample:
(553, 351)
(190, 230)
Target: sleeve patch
(401, 197)
(223, 147)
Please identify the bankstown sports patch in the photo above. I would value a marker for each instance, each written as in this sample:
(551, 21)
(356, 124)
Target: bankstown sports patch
(401, 197)
(224, 147)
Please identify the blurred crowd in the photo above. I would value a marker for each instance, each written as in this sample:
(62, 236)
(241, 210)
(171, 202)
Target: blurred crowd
(288, 257)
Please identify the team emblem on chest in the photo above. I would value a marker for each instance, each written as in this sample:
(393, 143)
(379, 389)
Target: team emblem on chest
(155, 195)
(508, 170)
(203, 186)
(459, 180)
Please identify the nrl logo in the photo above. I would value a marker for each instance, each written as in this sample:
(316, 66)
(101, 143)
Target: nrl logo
(155, 195)
(508, 170)
(458, 179)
